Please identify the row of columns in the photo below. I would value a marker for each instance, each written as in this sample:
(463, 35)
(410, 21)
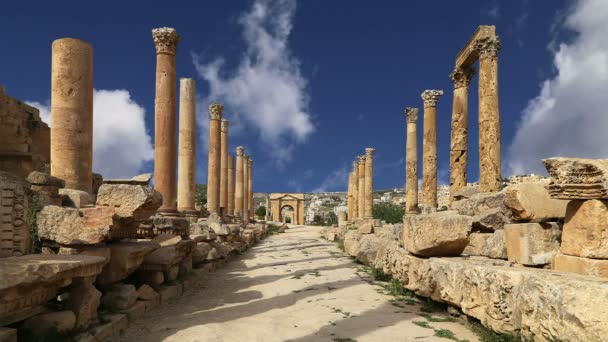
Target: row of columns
(243, 198)
(360, 200)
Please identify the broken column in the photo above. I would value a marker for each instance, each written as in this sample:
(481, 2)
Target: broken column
(355, 190)
(72, 113)
(224, 167)
(244, 186)
(230, 191)
(238, 187)
(361, 200)
(213, 173)
(187, 147)
(490, 178)
(459, 139)
(165, 41)
(411, 162)
(369, 183)
(429, 146)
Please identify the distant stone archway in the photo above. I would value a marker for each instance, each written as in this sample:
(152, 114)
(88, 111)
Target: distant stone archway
(286, 208)
(287, 214)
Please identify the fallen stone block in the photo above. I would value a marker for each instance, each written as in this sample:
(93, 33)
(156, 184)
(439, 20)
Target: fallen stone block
(479, 203)
(437, 234)
(466, 192)
(366, 228)
(76, 198)
(200, 253)
(143, 179)
(577, 178)
(101, 251)
(70, 226)
(169, 292)
(531, 201)
(585, 266)
(119, 297)
(201, 232)
(41, 178)
(351, 242)
(83, 300)
(14, 227)
(177, 226)
(43, 325)
(173, 250)
(532, 243)
(145, 292)
(491, 245)
(125, 258)
(586, 229)
(138, 202)
(490, 220)
(136, 311)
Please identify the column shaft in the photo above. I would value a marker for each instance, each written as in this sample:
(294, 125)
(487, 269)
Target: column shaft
(429, 145)
(369, 183)
(245, 187)
(224, 166)
(187, 146)
(230, 186)
(361, 199)
(238, 184)
(349, 196)
(72, 113)
(250, 190)
(411, 162)
(355, 189)
(213, 173)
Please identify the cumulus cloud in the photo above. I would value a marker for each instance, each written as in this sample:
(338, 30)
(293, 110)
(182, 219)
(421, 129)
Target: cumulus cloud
(334, 181)
(568, 117)
(44, 109)
(121, 143)
(267, 90)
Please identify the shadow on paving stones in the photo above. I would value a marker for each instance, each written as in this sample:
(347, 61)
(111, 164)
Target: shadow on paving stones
(301, 247)
(283, 263)
(263, 247)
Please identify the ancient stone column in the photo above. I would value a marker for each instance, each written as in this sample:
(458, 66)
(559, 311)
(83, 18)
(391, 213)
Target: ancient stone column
(238, 184)
(186, 167)
(230, 198)
(429, 148)
(245, 187)
(267, 216)
(489, 116)
(250, 189)
(349, 196)
(369, 183)
(411, 162)
(72, 113)
(459, 140)
(355, 189)
(224, 166)
(165, 40)
(361, 186)
(213, 167)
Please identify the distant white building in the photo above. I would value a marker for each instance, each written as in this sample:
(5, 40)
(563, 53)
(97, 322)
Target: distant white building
(339, 208)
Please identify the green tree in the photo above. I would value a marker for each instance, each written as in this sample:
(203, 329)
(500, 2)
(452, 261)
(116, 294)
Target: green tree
(317, 220)
(201, 194)
(389, 212)
(331, 218)
(260, 211)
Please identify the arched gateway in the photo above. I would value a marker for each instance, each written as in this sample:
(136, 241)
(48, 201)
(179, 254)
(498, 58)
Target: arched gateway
(286, 208)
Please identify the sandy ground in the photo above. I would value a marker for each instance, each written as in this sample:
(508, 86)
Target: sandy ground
(290, 287)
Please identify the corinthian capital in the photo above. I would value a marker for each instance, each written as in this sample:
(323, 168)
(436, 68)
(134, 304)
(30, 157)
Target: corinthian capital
(411, 114)
(165, 40)
(487, 46)
(224, 125)
(369, 152)
(462, 76)
(239, 151)
(361, 160)
(430, 97)
(215, 111)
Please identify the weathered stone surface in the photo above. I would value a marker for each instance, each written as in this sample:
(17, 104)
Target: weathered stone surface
(437, 234)
(531, 201)
(152, 278)
(172, 251)
(466, 192)
(130, 201)
(41, 178)
(101, 251)
(366, 227)
(50, 323)
(577, 178)
(125, 258)
(478, 203)
(171, 225)
(351, 242)
(97, 181)
(46, 195)
(586, 229)
(70, 226)
(532, 243)
(585, 266)
(491, 245)
(145, 292)
(76, 198)
(143, 179)
(119, 297)
(201, 231)
(84, 301)
(14, 228)
(490, 220)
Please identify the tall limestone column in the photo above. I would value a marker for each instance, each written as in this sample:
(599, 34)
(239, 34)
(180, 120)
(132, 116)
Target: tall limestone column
(361, 199)
(186, 166)
(369, 183)
(213, 173)
(72, 113)
(245, 187)
(490, 177)
(355, 189)
(238, 184)
(230, 197)
(429, 148)
(224, 166)
(250, 189)
(165, 40)
(411, 162)
(349, 196)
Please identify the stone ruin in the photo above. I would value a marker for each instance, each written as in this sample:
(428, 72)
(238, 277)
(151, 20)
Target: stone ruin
(525, 256)
(82, 255)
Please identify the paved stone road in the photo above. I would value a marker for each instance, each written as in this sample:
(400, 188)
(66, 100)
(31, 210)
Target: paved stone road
(290, 287)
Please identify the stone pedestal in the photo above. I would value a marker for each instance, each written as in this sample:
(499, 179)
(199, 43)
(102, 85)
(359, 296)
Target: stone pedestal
(72, 113)
(459, 140)
(490, 177)
(238, 188)
(361, 186)
(187, 146)
(230, 186)
(369, 183)
(224, 166)
(355, 190)
(213, 173)
(429, 146)
(411, 162)
(165, 40)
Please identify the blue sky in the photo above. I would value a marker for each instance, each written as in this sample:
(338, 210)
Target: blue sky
(308, 85)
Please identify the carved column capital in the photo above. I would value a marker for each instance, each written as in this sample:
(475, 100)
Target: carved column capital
(430, 97)
(165, 40)
(369, 152)
(239, 151)
(487, 47)
(361, 160)
(411, 114)
(462, 76)
(355, 164)
(215, 111)
(224, 125)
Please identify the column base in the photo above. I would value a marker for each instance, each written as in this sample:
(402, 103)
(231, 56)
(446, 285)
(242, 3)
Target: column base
(168, 212)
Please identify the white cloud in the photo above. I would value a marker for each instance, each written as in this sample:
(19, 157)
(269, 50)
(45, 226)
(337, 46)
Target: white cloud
(44, 109)
(120, 142)
(493, 11)
(568, 117)
(266, 91)
(336, 180)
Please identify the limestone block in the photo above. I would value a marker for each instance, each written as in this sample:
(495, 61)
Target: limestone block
(171, 252)
(143, 179)
(531, 201)
(351, 242)
(119, 297)
(437, 234)
(145, 292)
(46, 195)
(171, 225)
(50, 323)
(366, 227)
(41, 178)
(490, 220)
(214, 254)
(532, 243)
(14, 204)
(101, 251)
(169, 292)
(200, 253)
(577, 178)
(115, 326)
(136, 311)
(84, 300)
(585, 266)
(185, 266)
(76, 198)
(368, 247)
(199, 231)
(491, 245)
(466, 192)
(8, 334)
(480, 202)
(586, 229)
(70, 226)
(125, 258)
(130, 201)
